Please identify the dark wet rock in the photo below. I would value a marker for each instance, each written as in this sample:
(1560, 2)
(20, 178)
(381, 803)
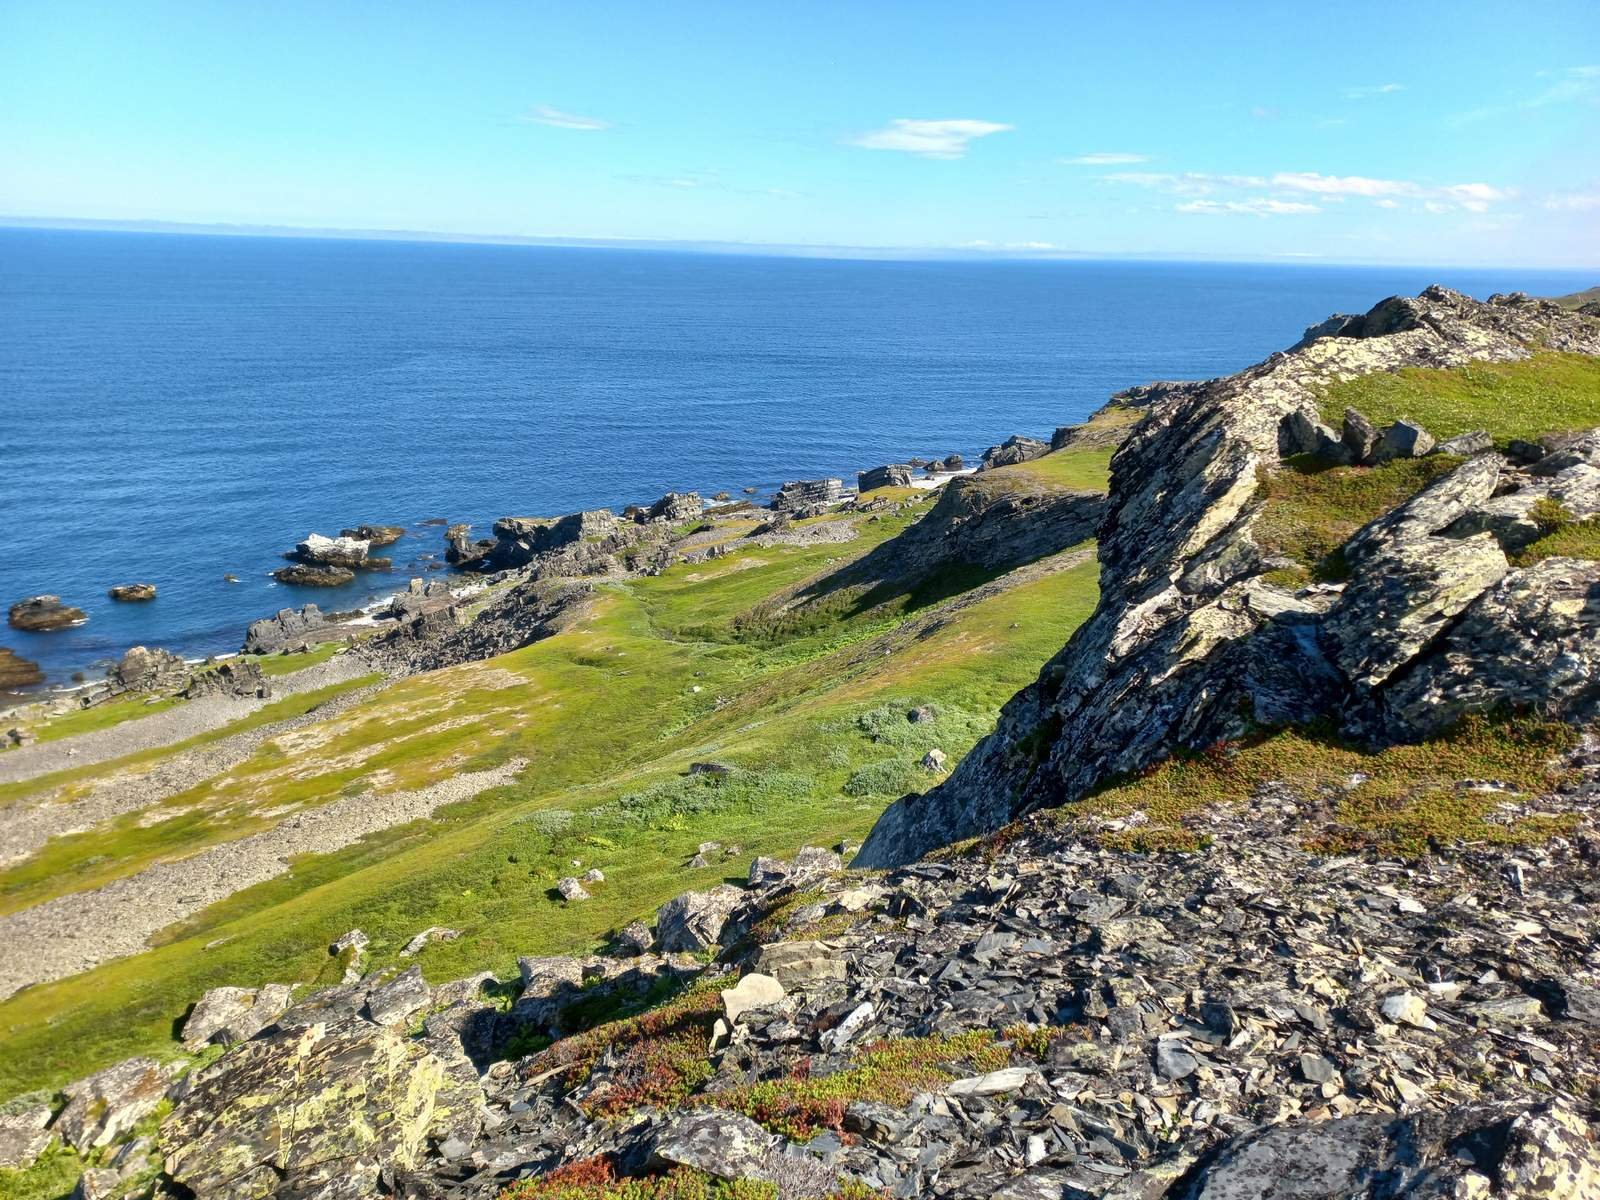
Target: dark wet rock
(106, 1105)
(40, 614)
(375, 535)
(133, 591)
(1015, 449)
(17, 672)
(893, 475)
(319, 1110)
(300, 575)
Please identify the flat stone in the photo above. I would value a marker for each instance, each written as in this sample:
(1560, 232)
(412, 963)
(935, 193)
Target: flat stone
(754, 991)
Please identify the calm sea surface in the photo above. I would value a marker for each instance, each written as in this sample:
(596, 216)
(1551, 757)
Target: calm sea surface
(176, 408)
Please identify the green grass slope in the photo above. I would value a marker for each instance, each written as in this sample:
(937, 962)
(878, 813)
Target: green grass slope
(608, 715)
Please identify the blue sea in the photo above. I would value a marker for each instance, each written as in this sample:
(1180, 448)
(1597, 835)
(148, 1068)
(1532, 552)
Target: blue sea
(176, 408)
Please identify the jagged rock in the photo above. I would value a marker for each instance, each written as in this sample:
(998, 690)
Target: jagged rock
(1464, 445)
(355, 940)
(1480, 1151)
(571, 889)
(1302, 433)
(1516, 518)
(1403, 439)
(634, 939)
(802, 964)
(675, 507)
(19, 736)
(726, 1145)
(995, 1083)
(525, 614)
(693, 921)
(893, 475)
(1175, 652)
(133, 591)
(320, 551)
(1015, 449)
(461, 551)
(933, 760)
(396, 1001)
(237, 677)
(303, 576)
(808, 497)
(716, 770)
(17, 672)
(106, 1105)
(809, 864)
(143, 669)
(374, 535)
(433, 933)
(318, 1110)
(1402, 599)
(1359, 435)
(226, 1015)
(1531, 642)
(39, 614)
(753, 991)
(952, 462)
(23, 1136)
(288, 628)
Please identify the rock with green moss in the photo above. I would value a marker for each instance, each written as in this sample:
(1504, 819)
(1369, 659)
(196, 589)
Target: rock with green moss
(314, 1111)
(23, 1131)
(109, 1103)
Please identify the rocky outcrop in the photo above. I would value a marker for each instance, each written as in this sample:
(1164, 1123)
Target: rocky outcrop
(525, 614)
(289, 629)
(974, 524)
(39, 614)
(893, 475)
(801, 498)
(675, 508)
(461, 551)
(106, 1105)
(17, 672)
(1188, 643)
(148, 669)
(238, 677)
(133, 592)
(320, 551)
(375, 535)
(226, 1015)
(319, 1109)
(1015, 449)
(304, 576)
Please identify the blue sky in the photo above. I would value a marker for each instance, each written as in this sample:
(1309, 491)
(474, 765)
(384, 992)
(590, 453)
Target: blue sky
(1423, 132)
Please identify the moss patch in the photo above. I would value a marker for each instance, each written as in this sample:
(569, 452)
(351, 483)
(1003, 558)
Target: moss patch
(1543, 394)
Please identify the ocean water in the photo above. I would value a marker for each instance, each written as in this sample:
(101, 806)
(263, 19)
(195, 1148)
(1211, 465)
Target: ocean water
(176, 408)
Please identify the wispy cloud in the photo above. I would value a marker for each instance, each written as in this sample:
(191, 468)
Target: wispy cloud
(1258, 206)
(1188, 183)
(1378, 89)
(1284, 186)
(1573, 201)
(928, 139)
(1105, 158)
(1571, 85)
(543, 114)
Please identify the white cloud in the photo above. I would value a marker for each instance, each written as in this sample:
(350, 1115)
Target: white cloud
(1385, 193)
(1259, 206)
(1190, 183)
(543, 114)
(1386, 204)
(1366, 93)
(1105, 158)
(1342, 185)
(928, 139)
(1573, 201)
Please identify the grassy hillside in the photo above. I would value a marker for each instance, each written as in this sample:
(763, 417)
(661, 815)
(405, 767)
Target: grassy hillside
(608, 715)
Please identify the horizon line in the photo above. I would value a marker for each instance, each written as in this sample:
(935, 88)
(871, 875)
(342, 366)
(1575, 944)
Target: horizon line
(998, 253)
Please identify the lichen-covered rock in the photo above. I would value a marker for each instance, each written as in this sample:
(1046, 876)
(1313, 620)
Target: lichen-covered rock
(237, 677)
(23, 1133)
(109, 1103)
(395, 1002)
(726, 1145)
(1177, 652)
(231, 1014)
(314, 1111)
(693, 921)
(1532, 642)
